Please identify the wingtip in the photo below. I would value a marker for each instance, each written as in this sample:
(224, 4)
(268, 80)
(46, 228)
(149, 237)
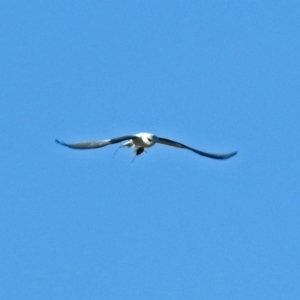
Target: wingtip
(232, 154)
(59, 142)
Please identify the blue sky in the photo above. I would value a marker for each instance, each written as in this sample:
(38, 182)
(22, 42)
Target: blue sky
(216, 75)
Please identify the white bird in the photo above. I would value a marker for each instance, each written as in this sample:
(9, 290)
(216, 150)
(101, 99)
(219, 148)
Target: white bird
(141, 141)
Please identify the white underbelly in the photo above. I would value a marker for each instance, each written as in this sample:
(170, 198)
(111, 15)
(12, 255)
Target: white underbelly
(142, 143)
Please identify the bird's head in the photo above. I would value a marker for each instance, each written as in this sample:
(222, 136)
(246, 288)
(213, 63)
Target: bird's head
(145, 139)
(149, 139)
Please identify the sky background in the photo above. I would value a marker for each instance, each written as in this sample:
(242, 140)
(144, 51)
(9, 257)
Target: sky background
(216, 75)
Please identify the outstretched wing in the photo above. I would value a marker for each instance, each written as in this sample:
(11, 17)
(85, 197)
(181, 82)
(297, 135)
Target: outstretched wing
(210, 155)
(96, 144)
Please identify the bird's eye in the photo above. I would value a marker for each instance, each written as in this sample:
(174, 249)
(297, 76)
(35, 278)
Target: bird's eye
(149, 139)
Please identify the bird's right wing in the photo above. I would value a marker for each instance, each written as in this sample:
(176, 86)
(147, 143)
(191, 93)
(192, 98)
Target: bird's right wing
(96, 144)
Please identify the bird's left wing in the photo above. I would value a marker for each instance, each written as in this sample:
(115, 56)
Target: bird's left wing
(96, 144)
(210, 155)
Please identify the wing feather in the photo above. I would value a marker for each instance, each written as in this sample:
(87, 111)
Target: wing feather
(168, 142)
(95, 144)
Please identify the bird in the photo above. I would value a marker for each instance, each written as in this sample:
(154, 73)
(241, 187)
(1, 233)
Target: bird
(139, 142)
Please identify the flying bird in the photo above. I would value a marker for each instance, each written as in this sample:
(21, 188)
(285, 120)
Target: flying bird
(139, 142)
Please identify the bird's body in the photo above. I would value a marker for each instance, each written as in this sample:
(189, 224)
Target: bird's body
(143, 139)
(140, 141)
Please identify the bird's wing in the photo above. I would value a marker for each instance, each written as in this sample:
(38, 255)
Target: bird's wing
(96, 144)
(210, 155)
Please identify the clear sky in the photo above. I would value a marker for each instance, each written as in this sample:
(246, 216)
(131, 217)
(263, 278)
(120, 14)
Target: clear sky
(216, 75)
